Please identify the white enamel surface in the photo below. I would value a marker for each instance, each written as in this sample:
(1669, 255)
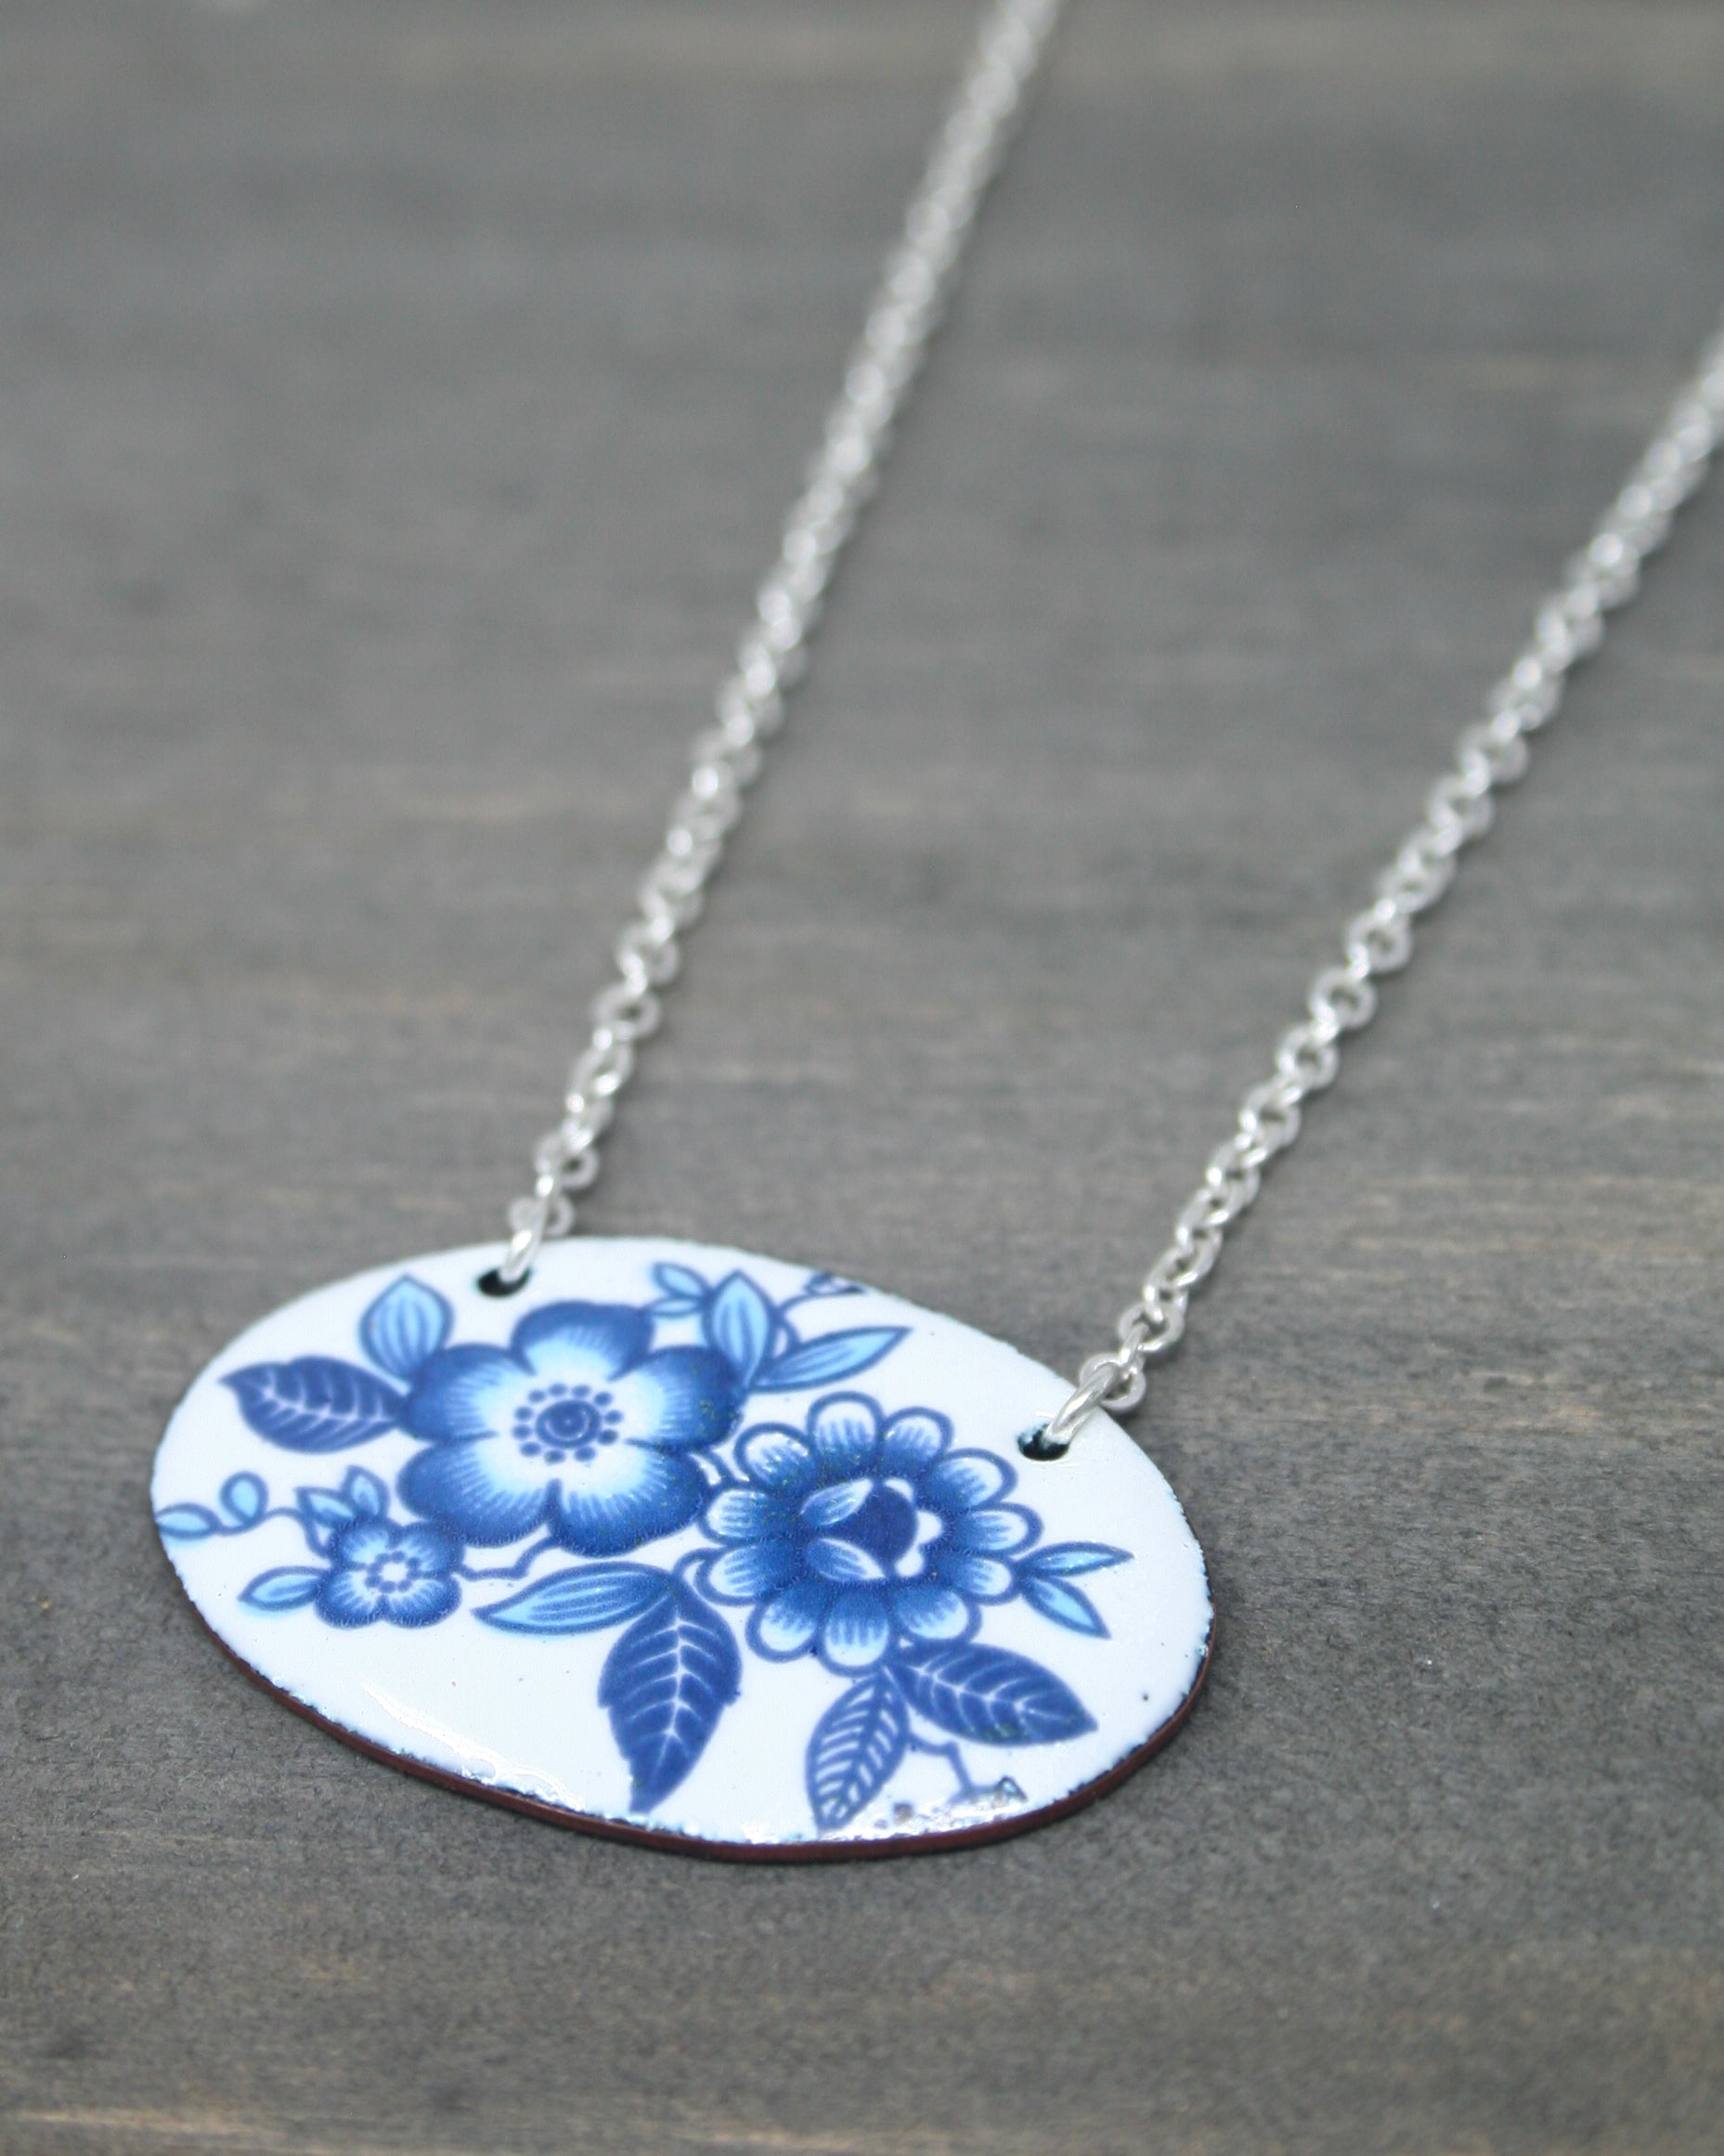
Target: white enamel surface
(514, 1715)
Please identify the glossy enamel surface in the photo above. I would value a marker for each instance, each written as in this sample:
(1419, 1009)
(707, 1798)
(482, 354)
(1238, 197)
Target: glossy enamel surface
(686, 1544)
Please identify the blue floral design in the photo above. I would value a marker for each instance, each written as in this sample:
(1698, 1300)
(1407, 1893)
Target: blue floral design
(378, 1569)
(862, 1537)
(578, 1428)
(867, 1529)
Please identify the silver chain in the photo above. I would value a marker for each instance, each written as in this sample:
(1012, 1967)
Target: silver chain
(915, 283)
(1569, 627)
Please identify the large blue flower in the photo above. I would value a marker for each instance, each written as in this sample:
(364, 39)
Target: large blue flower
(861, 1531)
(577, 1428)
(378, 1569)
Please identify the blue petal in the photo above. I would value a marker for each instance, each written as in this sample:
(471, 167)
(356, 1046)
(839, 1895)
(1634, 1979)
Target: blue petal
(785, 1626)
(1060, 1559)
(429, 1548)
(363, 1542)
(845, 1428)
(1065, 1603)
(406, 1326)
(244, 1498)
(325, 1514)
(746, 1515)
(834, 1354)
(840, 1502)
(422, 1603)
(777, 1458)
(458, 1486)
(994, 1529)
(912, 1441)
(464, 1391)
(576, 1341)
(648, 1494)
(964, 1481)
(842, 1562)
(345, 1598)
(681, 1397)
(583, 1598)
(187, 1523)
(985, 1578)
(740, 1322)
(746, 1574)
(857, 1630)
(928, 1611)
(365, 1492)
(284, 1587)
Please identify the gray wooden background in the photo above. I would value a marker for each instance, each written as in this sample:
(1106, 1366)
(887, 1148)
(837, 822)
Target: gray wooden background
(397, 399)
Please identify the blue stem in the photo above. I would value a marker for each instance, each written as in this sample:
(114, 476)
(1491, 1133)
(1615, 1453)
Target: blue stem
(953, 1758)
(515, 1571)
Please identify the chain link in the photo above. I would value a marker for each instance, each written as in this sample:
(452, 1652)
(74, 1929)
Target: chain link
(915, 283)
(1568, 627)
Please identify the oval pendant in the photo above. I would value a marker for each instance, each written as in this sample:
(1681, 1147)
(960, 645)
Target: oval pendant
(687, 1546)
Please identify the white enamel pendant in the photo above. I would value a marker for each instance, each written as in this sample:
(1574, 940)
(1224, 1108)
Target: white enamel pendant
(684, 1545)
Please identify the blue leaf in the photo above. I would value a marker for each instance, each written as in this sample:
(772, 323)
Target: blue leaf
(1064, 1604)
(288, 1587)
(829, 1284)
(680, 1282)
(1060, 1560)
(365, 1492)
(666, 1683)
(187, 1523)
(990, 1696)
(316, 1404)
(856, 1747)
(837, 1355)
(405, 1327)
(325, 1513)
(740, 1322)
(244, 1498)
(586, 1598)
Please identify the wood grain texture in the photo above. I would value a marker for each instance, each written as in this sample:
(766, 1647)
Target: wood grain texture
(396, 403)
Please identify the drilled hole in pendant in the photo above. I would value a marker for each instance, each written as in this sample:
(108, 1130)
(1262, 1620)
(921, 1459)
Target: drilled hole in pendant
(1033, 1445)
(493, 1282)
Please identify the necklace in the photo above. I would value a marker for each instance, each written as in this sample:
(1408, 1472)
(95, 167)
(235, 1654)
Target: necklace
(696, 1547)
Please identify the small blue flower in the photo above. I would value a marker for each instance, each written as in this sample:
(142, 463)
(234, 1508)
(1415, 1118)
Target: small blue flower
(378, 1569)
(862, 1531)
(577, 1428)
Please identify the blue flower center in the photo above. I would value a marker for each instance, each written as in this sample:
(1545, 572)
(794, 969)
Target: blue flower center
(556, 1423)
(389, 1574)
(568, 1423)
(884, 1526)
